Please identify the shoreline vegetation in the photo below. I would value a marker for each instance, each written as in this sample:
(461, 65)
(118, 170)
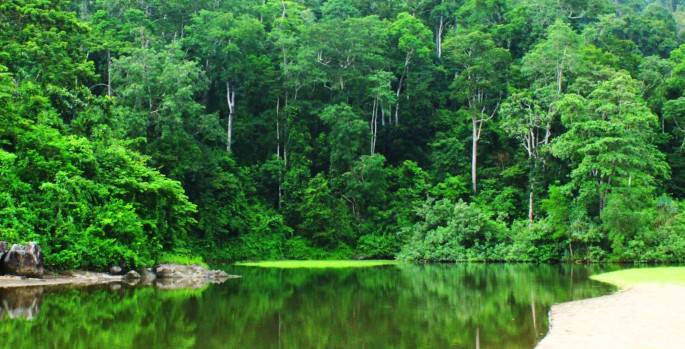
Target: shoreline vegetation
(324, 264)
(651, 275)
(423, 131)
(166, 276)
(75, 279)
(647, 312)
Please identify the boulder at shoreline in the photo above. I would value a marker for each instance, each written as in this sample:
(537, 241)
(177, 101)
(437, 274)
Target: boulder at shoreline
(24, 268)
(24, 260)
(195, 271)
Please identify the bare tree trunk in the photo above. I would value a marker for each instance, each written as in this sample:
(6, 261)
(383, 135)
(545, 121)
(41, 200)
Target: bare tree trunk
(474, 152)
(438, 40)
(397, 100)
(530, 205)
(601, 199)
(230, 99)
(375, 131)
(560, 71)
(531, 188)
(374, 125)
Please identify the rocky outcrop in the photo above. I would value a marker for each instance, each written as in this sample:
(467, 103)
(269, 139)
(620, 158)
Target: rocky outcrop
(195, 271)
(3, 249)
(132, 275)
(147, 274)
(24, 261)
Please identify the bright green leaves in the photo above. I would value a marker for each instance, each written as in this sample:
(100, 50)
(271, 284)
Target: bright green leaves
(610, 144)
(556, 59)
(88, 202)
(480, 68)
(449, 232)
(347, 139)
(40, 42)
(346, 51)
(157, 101)
(340, 9)
(527, 119)
(412, 36)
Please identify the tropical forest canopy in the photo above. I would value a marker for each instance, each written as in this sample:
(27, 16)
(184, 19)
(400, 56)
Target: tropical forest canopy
(437, 130)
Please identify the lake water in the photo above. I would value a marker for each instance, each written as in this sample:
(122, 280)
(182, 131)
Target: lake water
(406, 306)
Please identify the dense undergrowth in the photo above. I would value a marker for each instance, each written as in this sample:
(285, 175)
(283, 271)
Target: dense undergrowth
(133, 132)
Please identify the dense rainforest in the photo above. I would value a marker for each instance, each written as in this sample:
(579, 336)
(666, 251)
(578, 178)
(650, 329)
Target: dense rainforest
(430, 130)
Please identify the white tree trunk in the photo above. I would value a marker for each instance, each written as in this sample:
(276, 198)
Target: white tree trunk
(438, 41)
(230, 99)
(374, 125)
(397, 98)
(530, 204)
(474, 153)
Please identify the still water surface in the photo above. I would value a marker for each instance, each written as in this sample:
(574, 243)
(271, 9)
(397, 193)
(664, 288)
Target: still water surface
(405, 306)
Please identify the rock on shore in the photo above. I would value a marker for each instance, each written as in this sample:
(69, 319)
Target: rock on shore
(23, 260)
(195, 271)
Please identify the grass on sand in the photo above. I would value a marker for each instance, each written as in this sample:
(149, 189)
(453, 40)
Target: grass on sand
(629, 277)
(317, 264)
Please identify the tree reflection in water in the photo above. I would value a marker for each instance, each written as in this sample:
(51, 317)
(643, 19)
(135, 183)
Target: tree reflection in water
(404, 306)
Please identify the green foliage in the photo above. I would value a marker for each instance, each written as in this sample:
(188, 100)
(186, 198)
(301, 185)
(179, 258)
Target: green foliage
(378, 246)
(449, 232)
(42, 42)
(313, 264)
(348, 137)
(248, 130)
(244, 313)
(89, 204)
(180, 256)
(630, 277)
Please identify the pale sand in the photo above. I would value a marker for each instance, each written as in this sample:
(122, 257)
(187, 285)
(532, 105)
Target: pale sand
(75, 278)
(642, 317)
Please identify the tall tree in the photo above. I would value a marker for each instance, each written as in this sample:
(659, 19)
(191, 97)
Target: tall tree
(527, 119)
(609, 141)
(227, 46)
(480, 72)
(413, 44)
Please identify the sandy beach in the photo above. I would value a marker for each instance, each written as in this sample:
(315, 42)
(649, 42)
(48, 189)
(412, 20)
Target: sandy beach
(79, 278)
(641, 317)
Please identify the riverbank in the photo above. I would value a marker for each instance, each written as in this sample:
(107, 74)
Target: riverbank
(648, 313)
(318, 264)
(169, 276)
(78, 278)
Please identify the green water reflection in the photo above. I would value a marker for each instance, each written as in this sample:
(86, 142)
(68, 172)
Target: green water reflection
(405, 306)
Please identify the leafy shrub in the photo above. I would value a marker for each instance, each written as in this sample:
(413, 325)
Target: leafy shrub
(378, 246)
(181, 256)
(450, 232)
